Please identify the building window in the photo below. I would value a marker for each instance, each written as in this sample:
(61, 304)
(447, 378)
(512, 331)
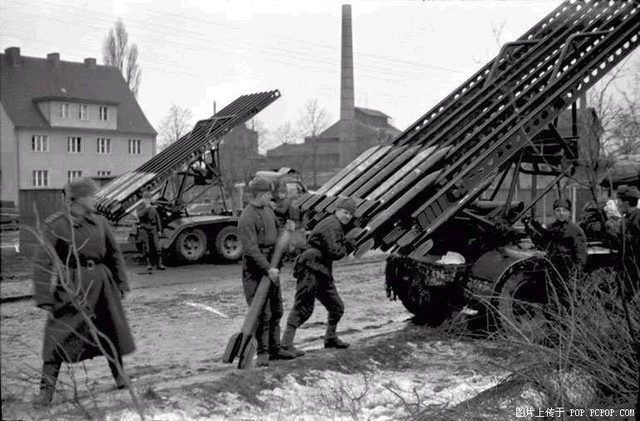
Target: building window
(134, 147)
(104, 145)
(104, 115)
(40, 178)
(64, 111)
(39, 143)
(104, 173)
(72, 174)
(74, 144)
(82, 112)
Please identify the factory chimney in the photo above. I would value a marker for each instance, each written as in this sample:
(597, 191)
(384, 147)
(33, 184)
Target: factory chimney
(347, 106)
(348, 147)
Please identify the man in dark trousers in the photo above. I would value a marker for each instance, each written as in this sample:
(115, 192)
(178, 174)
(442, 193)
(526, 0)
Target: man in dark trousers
(258, 234)
(314, 272)
(149, 228)
(626, 238)
(564, 241)
(80, 279)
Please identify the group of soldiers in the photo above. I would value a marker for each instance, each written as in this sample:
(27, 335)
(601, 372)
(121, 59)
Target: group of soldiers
(565, 242)
(80, 277)
(258, 227)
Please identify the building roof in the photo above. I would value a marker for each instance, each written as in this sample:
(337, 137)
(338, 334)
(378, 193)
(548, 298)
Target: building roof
(35, 79)
(373, 113)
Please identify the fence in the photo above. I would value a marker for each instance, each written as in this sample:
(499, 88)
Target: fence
(34, 206)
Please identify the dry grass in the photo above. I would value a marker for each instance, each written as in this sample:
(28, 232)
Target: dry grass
(588, 360)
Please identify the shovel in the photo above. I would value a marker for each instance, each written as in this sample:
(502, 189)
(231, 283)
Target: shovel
(243, 344)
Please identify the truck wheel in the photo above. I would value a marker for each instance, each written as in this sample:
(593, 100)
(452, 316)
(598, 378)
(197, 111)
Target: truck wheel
(191, 245)
(228, 244)
(521, 308)
(429, 304)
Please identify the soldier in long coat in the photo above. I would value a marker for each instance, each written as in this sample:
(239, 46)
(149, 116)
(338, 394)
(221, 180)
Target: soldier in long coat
(80, 280)
(314, 273)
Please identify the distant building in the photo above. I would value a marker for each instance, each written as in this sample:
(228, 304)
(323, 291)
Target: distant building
(370, 127)
(60, 120)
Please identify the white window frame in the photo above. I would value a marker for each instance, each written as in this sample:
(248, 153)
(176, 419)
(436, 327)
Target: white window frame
(103, 145)
(104, 113)
(40, 178)
(73, 174)
(82, 111)
(39, 143)
(135, 146)
(104, 173)
(64, 111)
(74, 144)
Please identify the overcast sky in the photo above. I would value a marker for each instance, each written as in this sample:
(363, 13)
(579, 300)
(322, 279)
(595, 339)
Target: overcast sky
(407, 54)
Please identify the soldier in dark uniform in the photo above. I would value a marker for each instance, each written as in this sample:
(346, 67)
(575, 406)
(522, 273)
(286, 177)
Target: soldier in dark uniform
(592, 221)
(79, 255)
(314, 272)
(258, 234)
(564, 241)
(626, 238)
(149, 228)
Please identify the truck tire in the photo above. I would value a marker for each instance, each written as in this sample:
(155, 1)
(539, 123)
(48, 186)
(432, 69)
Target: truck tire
(522, 307)
(191, 245)
(430, 305)
(228, 245)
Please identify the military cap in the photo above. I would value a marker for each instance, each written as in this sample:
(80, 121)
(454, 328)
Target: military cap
(347, 204)
(562, 203)
(259, 185)
(80, 187)
(627, 192)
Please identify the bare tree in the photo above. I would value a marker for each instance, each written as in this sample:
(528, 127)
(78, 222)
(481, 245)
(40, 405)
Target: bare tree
(313, 121)
(284, 134)
(117, 52)
(176, 124)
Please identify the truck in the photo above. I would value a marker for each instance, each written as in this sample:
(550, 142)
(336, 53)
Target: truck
(430, 198)
(179, 177)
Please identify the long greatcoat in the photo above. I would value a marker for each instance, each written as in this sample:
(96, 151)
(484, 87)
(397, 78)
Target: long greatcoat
(96, 287)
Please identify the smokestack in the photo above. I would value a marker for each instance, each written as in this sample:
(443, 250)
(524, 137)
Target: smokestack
(347, 106)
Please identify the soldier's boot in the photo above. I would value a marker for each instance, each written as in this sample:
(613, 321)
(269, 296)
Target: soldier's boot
(120, 383)
(262, 360)
(331, 339)
(47, 384)
(147, 263)
(287, 342)
(160, 265)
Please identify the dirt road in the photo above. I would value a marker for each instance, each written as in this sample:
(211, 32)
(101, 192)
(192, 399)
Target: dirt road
(182, 318)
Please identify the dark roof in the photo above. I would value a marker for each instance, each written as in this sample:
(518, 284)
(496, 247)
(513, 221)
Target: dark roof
(38, 78)
(374, 113)
(362, 130)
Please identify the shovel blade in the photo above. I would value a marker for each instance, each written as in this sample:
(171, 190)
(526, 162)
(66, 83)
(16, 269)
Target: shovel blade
(245, 359)
(233, 346)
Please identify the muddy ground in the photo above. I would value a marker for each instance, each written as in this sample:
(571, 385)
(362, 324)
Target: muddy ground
(394, 369)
